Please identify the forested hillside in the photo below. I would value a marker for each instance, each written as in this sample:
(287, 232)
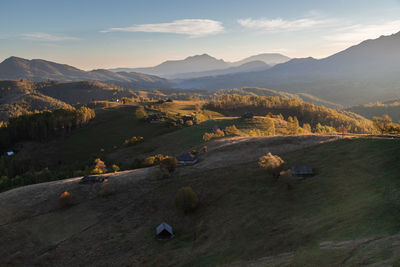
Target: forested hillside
(237, 105)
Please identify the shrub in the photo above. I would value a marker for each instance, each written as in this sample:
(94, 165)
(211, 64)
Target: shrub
(205, 149)
(149, 161)
(115, 168)
(209, 136)
(169, 163)
(194, 152)
(189, 123)
(272, 163)
(64, 200)
(232, 130)
(99, 167)
(186, 199)
(133, 141)
(153, 160)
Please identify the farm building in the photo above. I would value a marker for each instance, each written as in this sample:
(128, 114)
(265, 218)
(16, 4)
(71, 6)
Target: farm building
(301, 171)
(92, 179)
(186, 118)
(154, 118)
(248, 116)
(164, 231)
(187, 159)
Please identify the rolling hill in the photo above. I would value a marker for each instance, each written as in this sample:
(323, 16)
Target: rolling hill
(360, 74)
(15, 68)
(391, 108)
(84, 92)
(244, 218)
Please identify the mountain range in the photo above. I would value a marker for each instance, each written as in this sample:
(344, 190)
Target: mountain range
(204, 65)
(366, 72)
(15, 68)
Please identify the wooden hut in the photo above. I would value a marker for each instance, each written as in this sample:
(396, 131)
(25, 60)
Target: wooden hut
(164, 231)
(187, 159)
(301, 171)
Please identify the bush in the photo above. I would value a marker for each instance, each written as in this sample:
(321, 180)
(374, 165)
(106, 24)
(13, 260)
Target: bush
(133, 141)
(205, 149)
(209, 136)
(272, 163)
(186, 199)
(99, 167)
(115, 168)
(189, 123)
(153, 160)
(64, 200)
(169, 163)
(232, 130)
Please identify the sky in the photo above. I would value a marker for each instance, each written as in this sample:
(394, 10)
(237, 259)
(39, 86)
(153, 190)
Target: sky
(92, 34)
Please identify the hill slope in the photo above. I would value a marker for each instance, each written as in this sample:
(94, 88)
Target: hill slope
(20, 97)
(332, 218)
(392, 108)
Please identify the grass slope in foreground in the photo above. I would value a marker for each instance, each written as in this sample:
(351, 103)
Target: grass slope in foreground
(243, 214)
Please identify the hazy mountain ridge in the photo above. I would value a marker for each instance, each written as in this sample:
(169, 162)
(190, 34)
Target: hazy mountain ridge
(349, 77)
(15, 68)
(205, 65)
(245, 67)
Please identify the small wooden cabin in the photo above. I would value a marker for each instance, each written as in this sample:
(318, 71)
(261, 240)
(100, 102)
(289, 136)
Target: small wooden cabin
(164, 231)
(302, 171)
(187, 159)
(154, 118)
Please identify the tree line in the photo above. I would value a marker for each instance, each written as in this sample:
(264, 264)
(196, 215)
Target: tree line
(41, 126)
(236, 105)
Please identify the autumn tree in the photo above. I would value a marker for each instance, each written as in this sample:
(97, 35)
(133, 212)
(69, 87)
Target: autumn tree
(270, 126)
(272, 163)
(382, 123)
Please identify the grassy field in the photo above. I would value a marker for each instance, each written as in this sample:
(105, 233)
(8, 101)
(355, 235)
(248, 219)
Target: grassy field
(244, 215)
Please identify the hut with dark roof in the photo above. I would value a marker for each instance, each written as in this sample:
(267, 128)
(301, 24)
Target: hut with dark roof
(164, 231)
(187, 159)
(302, 171)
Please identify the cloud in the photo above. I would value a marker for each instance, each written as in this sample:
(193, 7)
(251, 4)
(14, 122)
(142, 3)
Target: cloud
(359, 32)
(40, 36)
(190, 27)
(281, 25)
